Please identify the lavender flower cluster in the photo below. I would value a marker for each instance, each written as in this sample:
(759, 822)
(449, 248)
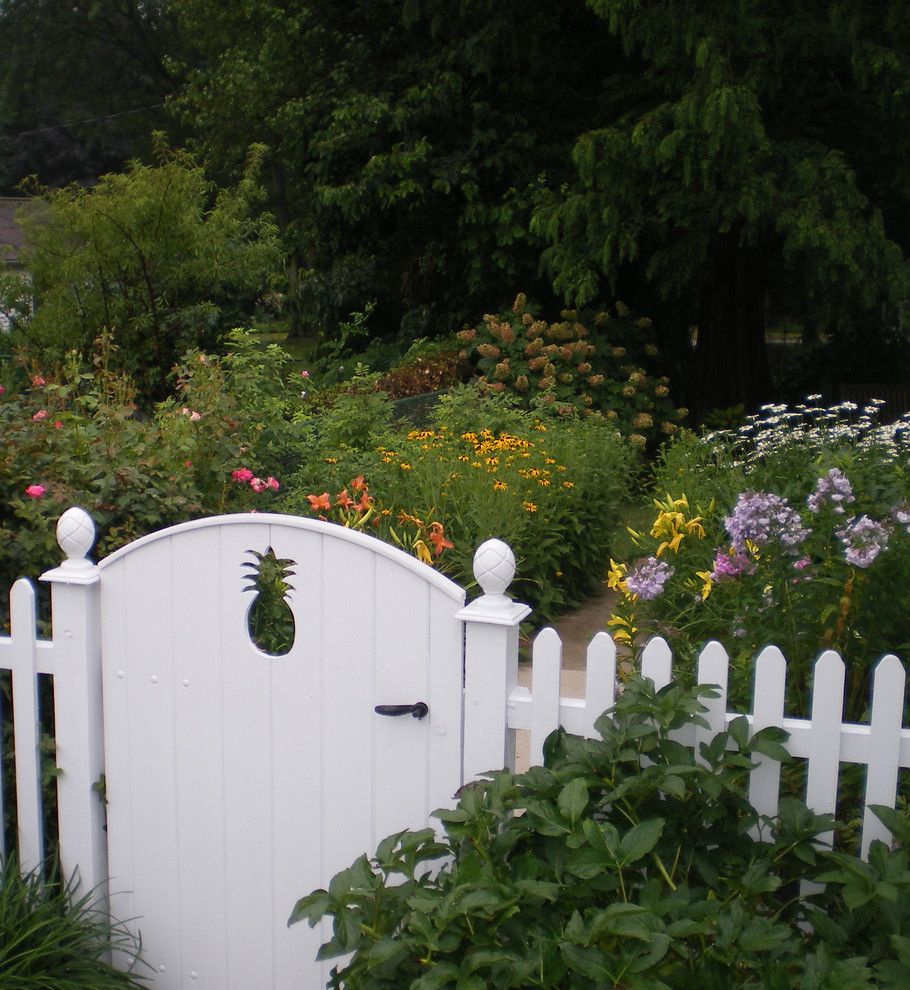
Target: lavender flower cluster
(863, 540)
(647, 578)
(833, 489)
(762, 517)
(731, 565)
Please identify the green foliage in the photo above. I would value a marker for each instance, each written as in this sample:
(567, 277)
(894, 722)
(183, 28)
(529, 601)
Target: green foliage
(742, 164)
(77, 438)
(486, 469)
(556, 368)
(155, 256)
(409, 140)
(623, 862)
(827, 496)
(64, 133)
(53, 939)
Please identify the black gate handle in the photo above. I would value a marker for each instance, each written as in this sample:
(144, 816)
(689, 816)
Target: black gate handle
(418, 710)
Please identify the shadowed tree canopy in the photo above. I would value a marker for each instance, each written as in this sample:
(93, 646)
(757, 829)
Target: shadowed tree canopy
(409, 140)
(754, 166)
(82, 85)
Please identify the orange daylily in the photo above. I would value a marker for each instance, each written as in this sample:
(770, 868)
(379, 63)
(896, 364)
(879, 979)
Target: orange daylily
(436, 535)
(319, 501)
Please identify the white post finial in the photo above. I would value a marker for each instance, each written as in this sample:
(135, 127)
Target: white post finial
(494, 568)
(75, 537)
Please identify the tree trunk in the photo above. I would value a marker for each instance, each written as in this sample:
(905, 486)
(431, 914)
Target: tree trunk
(731, 359)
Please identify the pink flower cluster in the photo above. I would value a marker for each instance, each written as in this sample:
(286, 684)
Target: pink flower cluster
(35, 491)
(193, 415)
(244, 476)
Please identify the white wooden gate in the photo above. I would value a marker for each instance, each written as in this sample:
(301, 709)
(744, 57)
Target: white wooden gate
(237, 781)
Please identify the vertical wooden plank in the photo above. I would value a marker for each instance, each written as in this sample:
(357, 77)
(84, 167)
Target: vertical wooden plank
(249, 770)
(824, 745)
(349, 723)
(26, 727)
(545, 687)
(767, 711)
(884, 746)
(118, 746)
(446, 679)
(713, 668)
(600, 680)
(297, 754)
(402, 629)
(657, 662)
(196, 697)
(146, 666)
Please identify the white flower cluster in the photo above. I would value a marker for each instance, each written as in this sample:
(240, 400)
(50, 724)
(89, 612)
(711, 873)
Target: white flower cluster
(812, 427)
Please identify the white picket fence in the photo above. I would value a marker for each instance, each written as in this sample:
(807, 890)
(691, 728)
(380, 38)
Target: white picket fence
(115, 655)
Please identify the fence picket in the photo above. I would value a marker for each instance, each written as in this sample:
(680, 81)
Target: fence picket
(545, 687)
(767, 711)
(884, 744)
(657, 662)
(713, 667)
(26, 726)
(824, 748)
(600, 680)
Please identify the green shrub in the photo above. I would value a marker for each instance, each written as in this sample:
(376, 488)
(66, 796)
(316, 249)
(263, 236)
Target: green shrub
(75, 437)
(565, 369)
(549, 489)
(155, 256)
(51, 939)
(623, 862)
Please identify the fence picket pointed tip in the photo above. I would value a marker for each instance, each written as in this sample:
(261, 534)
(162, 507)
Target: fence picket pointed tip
(548, 636)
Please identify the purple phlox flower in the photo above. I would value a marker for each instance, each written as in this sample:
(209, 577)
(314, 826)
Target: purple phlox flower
(901, 515)
(863, 539)
(647, 578)
(731, 565)
(832, 489)
(761, 517)
(801, 564)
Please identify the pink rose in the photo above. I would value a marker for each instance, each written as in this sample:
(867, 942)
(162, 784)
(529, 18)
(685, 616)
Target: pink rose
(39, 415)
(38, 381)
(195, 415)
(272, 483)
(258, 485)
(2, 390)
(243, 475)
(304, 373)
(35, 491)
(58, 425)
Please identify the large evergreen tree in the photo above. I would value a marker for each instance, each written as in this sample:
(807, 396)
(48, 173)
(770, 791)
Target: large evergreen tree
(755, 166)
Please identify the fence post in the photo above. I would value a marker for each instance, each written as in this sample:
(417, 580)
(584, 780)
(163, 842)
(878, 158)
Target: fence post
(491, 662)
(79, 728)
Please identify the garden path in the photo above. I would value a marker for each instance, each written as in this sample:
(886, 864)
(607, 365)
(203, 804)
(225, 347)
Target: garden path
(575, 630)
